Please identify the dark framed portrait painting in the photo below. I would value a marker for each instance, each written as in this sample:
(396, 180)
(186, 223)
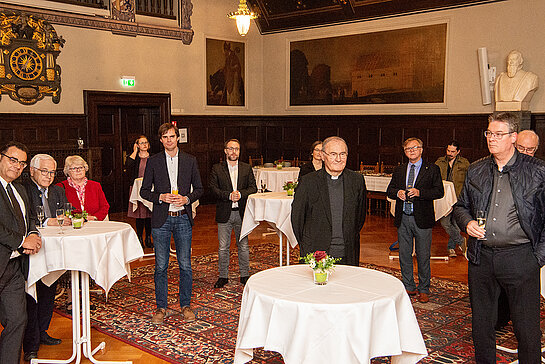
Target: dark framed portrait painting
(399, 66)
(225, 73)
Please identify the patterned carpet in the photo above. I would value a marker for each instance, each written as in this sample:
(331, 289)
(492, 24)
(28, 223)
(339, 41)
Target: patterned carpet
(445, 321)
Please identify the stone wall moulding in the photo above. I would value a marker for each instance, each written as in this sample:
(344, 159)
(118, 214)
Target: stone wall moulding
(183, 33)
(29, 47)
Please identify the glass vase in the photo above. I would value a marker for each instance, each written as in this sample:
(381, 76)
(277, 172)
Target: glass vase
(290, 192)
(321, 278)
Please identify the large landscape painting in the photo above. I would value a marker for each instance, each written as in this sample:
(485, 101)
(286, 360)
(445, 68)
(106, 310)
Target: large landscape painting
(388, 67)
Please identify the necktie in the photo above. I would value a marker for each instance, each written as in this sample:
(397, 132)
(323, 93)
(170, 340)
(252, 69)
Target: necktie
(17, 208)
(408, 206)
(45, 204)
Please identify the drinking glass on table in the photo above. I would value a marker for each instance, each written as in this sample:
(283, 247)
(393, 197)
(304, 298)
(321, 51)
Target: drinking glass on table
(40, 214)
(481, 220)
(68, 208)
(60, 219)
(263, 186)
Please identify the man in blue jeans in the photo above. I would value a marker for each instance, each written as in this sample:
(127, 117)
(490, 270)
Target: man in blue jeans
(168, 182)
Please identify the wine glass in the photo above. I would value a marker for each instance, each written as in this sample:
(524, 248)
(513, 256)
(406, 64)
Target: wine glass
(60, 219)
(40, 214)
(263, 187)
(481, 220)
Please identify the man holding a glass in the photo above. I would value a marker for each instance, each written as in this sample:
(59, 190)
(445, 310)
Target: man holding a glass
(45, 199)
(506, 192)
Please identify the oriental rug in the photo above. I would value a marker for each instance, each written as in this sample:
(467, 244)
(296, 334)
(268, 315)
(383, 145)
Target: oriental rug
(445, 321)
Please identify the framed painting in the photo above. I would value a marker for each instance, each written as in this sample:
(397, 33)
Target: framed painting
(400, 66)
(225, 73)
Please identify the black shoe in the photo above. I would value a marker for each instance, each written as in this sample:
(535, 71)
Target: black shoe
(30, 355)
(48, 340)
(221, 282)
(148, 242)
(243, 280)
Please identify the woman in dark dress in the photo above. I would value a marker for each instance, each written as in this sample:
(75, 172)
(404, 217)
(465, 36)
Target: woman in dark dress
(315, 159)
(136, 165)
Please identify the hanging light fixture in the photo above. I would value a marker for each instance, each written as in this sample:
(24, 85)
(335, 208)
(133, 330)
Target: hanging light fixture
(243, 16)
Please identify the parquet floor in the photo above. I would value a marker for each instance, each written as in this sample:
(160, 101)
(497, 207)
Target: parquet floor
(376, 236)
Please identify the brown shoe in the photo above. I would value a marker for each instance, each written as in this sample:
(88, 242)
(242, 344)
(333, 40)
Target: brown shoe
(188, 314)
(412, 293)
(423, 297)
(159, 316)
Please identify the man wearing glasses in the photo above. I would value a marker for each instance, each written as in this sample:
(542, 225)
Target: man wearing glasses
(527, 142)
(18, 238)
(508, 251)
(329, 205)
(231, 182)
(414, 186)
(49, 197)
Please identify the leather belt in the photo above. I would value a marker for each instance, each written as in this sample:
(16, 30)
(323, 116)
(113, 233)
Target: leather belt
(234, 208)
(176, 213)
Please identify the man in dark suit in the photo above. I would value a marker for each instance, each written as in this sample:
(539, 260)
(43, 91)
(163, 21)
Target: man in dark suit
(51, 197)
(328, 209)
(231, 182)
(18, 238)
(414, 186)
(168, 181)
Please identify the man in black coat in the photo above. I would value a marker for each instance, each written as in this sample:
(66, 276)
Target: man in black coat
(509, 250)
(328, 209)
(172, 182)
(18, 238)
(414, 186)
(231, 182)
(42, 193)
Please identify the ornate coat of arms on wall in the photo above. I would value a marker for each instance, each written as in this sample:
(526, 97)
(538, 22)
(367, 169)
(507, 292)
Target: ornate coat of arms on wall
(29, 47)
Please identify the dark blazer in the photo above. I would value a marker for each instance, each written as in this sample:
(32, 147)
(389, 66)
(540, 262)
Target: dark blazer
(430, 185)
(221, 187)
(56, 197)
(132, 166)
(156, 182)
(10, 237)
(311, 213)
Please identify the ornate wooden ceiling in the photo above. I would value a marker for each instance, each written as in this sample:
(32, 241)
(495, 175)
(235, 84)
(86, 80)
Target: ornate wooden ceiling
(284, 15)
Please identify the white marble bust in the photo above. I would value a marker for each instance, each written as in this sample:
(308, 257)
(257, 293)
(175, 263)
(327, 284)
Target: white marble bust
(514, 89)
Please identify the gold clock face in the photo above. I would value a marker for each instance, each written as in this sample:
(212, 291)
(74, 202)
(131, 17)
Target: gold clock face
(26, 63)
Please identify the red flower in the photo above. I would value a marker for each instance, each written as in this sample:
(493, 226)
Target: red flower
(320, 255)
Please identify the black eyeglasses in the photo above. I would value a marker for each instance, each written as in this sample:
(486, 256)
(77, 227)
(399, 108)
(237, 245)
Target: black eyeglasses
(231, 149)
(499, 135)
(15, 161)
(45, 172)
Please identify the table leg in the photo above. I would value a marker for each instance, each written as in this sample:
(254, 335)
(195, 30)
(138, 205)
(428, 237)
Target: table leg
(76, 326)
(280, 237)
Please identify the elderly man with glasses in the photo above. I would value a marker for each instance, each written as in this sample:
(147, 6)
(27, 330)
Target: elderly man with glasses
(47, 197)
(328, 209)
(18, 239)
(414, 186)
(506, 252)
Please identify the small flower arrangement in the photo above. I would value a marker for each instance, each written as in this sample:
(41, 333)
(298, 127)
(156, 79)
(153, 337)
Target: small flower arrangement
(290, 185)
(322, 264)
(320, 261)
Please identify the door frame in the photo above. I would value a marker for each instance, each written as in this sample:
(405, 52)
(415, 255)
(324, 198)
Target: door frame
(93, 99)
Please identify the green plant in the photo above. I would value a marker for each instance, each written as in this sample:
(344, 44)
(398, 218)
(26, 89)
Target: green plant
(289, 185)
(320, 261)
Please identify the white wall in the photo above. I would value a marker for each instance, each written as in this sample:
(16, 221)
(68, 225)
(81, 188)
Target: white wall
(501, 27)
(95, 60)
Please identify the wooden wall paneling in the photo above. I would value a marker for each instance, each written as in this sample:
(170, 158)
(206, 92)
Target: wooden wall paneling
(538, 125)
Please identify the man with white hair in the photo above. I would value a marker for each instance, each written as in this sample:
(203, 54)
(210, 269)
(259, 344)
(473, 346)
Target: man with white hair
(42, 193)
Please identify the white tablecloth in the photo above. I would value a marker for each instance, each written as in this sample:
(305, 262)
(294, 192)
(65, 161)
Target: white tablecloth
(275, 178)
(358, 315)
(377, 183)
(103, 249)
(273, 207)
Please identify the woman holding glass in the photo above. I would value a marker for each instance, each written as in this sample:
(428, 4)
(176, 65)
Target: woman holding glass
(83, 194)
(136, 165)
(315, 159)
